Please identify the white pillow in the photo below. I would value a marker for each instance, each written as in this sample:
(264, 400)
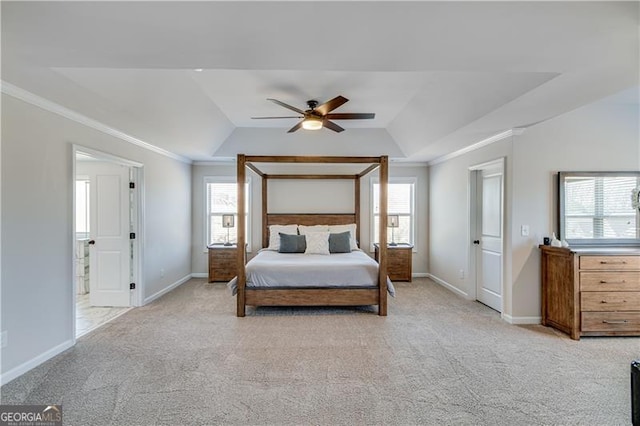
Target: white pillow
(336, 229)
(274, 234)
(317, 243)
(304, 229)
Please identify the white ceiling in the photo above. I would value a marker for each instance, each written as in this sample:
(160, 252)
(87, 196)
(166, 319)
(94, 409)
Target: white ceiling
(439, 75)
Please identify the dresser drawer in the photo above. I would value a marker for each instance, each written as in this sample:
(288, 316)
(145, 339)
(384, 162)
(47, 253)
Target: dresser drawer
(610, 263)
(610, 281)
(611, 321)
(610, 301)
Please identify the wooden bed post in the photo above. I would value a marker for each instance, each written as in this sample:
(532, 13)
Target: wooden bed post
(356, 183)
(265, 239)
(382, 268)
(241, 179)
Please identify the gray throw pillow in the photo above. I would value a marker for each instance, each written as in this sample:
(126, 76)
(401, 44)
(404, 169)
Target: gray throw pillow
(340, 243)
(292, 243)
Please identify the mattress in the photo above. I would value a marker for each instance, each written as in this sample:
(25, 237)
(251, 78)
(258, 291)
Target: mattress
(270, 269)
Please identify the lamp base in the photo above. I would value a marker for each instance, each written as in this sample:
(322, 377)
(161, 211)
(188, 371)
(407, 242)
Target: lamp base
(227, 244)
(393, 244)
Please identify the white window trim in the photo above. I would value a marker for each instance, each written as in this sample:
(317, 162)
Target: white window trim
(225, 179)
(412, 180)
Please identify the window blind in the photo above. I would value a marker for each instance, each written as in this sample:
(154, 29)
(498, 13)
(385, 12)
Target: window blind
(600, 207)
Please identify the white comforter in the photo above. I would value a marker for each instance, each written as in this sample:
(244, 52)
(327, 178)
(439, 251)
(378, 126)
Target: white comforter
(272, 269)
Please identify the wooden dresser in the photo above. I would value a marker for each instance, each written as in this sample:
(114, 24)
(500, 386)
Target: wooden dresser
(591, 291)
(222, 262)
(399, 262)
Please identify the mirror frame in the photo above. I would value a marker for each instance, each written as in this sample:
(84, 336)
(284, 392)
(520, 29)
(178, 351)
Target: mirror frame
(620, 242)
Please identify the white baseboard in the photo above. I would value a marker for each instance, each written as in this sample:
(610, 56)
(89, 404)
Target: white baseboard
(166, 290)
(420, 275)
(448, 286)
(33, 363)
(199, 275)
(521, 320)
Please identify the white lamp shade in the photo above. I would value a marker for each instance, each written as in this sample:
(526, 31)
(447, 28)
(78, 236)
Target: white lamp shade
(393, 221)
(228, 221)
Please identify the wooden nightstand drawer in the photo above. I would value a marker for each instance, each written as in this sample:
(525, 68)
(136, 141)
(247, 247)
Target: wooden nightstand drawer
(222, 262)
(399, 261)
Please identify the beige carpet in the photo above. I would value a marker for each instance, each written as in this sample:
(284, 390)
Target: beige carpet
(436, 359)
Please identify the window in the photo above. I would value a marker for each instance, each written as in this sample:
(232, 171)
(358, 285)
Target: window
(401, 202)
(82, 208)
(599, 207)
(221, 199)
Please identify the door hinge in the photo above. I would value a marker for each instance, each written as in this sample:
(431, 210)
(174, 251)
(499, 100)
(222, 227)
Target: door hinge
(132, 236)
(132, 286)
(132, 185)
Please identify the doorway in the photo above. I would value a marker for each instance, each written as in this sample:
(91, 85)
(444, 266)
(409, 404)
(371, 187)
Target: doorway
(486, 205)
(106, 249)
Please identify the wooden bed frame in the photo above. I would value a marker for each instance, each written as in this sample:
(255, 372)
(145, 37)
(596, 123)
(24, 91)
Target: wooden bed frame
(312, 296)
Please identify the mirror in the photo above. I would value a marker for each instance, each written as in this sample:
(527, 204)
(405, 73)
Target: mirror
(599, 208)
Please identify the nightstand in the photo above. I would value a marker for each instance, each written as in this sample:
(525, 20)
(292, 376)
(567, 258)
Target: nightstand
(398, 261)
(222, 262)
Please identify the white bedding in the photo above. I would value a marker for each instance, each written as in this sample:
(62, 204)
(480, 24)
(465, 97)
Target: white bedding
(272, 269)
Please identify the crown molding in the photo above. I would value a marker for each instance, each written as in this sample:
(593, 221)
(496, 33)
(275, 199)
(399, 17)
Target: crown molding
(478, 145)
(33, 99)
(217, 161)
(396, 163)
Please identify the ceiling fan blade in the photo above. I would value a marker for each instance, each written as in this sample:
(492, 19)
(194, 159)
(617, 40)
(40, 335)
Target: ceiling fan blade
(267, 118)
(329, 106)
(331, 125)
(351, 116)
(296, 127)
(282, 104)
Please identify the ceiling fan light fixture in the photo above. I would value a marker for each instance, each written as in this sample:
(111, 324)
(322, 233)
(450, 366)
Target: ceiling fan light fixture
(312, 123)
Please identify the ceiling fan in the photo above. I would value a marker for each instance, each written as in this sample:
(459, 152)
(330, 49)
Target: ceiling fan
(319, 116)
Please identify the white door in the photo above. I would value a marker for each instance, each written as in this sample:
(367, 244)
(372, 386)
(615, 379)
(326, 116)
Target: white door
(489, 230)
(110, 249)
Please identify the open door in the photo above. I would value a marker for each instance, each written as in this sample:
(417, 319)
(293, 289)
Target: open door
(488, 199)
(110, 247)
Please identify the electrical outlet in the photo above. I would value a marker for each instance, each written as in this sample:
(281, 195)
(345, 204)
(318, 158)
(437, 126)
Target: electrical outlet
(4, 339)
(461, 274)
(524, 230)
(161, 273)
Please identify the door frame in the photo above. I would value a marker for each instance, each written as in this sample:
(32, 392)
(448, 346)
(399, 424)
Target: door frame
(137, 208)
(474, 206)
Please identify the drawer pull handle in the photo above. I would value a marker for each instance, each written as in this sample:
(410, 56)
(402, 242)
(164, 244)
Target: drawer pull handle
(605, 262)
(603, 301)
(613, 282)
(615, 322)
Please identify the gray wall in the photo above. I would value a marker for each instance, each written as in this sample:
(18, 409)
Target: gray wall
(449, 215)
(337, 195)
(601, 136)
(37, 243)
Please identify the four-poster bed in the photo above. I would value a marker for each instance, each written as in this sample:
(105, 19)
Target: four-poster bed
(375, 294)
